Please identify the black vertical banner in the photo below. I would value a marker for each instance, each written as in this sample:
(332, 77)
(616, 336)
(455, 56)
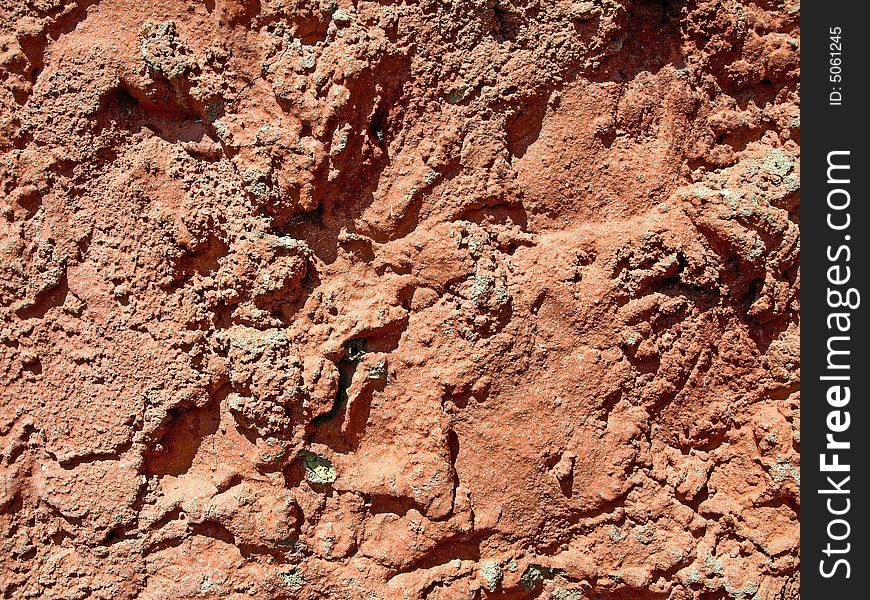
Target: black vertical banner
(835, 299)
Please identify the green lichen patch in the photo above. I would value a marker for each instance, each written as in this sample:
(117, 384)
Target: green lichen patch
(713, 565)
(293, 579)
(616, 535)
(644, 534)
(215, 110)
(492, 574)
(378, 370)
(163, 51)
(354, 350)
(212, 588)
(458, 94)
(777, 162)
(482, 285)
(341, 144)
(418, 489)
(318, 470)
(341, 16)
(533, 576)
(783, 469)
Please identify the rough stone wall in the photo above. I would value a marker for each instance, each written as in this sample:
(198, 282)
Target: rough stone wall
(428, 299)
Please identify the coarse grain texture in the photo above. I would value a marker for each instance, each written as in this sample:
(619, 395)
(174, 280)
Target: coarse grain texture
(386, 300)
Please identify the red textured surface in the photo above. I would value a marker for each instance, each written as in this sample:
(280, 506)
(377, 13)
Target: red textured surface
(516, 281)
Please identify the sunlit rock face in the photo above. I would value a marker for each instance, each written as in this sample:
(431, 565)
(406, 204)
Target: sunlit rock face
(329, 299)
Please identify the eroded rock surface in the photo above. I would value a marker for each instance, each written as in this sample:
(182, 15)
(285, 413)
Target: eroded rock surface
(429, 299)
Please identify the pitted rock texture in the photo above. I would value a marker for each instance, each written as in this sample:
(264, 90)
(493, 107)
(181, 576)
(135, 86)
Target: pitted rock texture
(421, 299)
